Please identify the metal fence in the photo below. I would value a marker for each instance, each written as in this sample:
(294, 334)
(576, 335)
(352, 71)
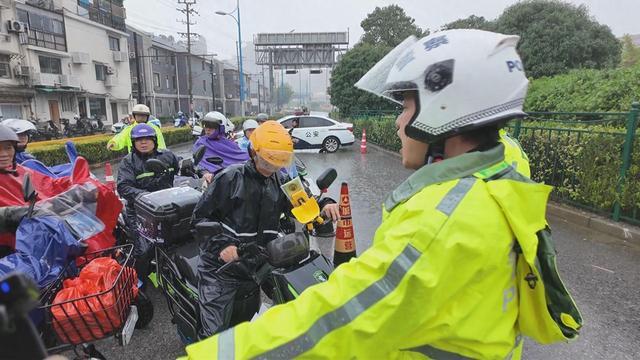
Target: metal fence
(587, 157)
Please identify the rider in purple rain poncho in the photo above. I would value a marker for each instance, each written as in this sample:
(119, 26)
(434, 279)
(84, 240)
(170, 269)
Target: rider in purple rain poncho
(217, 145)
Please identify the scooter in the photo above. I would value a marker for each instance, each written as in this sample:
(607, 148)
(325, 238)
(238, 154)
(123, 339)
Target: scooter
(180, 121)
(290, 268)
(97, 125)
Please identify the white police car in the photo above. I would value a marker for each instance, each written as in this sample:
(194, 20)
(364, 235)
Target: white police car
(318, 132)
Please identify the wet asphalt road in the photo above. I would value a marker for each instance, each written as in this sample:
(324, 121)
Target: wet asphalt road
(602, 273)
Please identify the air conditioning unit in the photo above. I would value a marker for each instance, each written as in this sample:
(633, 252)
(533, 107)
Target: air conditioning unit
(110, 81)
(119, 56)
(37, 79)
(16, 26)
(22, 71)
(68, 81)
(80, 58)
(109, 70)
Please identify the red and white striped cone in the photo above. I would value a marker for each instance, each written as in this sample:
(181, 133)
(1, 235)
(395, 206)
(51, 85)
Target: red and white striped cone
(363, 143)
(345, 248)
(108, 176)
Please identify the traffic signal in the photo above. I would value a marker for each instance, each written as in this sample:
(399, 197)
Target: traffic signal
(290, 72)
(315, 71)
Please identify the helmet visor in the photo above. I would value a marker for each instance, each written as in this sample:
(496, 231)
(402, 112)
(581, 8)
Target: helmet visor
(375, 80)
(274, 159)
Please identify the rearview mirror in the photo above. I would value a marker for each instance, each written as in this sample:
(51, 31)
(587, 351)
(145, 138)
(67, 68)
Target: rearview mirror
(208, 229)
(198, 155)
(155, 165)
(28, 191)
(215, 160)
(326, 179)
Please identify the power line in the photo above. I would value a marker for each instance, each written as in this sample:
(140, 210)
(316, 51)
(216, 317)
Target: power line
(153, 27)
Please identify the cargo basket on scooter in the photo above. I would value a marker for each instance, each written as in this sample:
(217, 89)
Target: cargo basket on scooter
(85, 319)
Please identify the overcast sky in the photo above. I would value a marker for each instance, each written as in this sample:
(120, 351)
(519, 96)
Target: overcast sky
(258, 16)
(622, 16)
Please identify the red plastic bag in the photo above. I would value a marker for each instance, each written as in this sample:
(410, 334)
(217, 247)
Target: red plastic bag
(89, 307)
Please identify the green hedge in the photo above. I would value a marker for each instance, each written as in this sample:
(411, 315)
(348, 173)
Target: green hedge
(585, 90)
(380, 131)
(583, 166)
(94, 148)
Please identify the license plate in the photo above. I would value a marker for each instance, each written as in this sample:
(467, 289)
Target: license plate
(130, 325)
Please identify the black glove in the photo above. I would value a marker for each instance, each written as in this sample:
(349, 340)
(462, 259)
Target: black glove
(287, 225)
(10, 218)
(186, 168)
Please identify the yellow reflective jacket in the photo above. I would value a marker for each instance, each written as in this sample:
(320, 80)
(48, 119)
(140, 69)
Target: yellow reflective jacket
(439, 279)
(514, 155)
(123, 138)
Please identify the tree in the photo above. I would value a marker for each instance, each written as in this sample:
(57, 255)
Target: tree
(558, 36)
(282, 95)
(388, 26)
(471, 22)
(630, 52)
(353, 65)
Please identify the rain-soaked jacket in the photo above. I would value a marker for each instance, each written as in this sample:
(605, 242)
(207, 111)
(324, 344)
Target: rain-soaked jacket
(247, 204)
(439, 280)
(219, 146)
(123, 139)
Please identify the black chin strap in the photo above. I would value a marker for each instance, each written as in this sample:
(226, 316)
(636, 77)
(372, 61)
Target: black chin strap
(435, 153)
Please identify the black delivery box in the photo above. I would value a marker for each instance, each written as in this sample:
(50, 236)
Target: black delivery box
(164, 215)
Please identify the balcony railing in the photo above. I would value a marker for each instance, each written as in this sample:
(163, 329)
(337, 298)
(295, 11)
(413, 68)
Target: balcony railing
(112, 16)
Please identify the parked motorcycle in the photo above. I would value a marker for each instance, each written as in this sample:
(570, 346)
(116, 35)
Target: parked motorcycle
(97, 125)
(180, 121)
(82, 127)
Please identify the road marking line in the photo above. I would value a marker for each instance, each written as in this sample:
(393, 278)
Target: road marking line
(601, 268)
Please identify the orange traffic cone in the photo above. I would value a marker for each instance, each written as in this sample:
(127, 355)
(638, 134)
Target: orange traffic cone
(345, 243)
(108, 176)
(363, 143)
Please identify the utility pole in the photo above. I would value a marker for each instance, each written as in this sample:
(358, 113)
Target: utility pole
(267, 106)
(213, 88)
(138, 70)
(259, 108)
(188, 11)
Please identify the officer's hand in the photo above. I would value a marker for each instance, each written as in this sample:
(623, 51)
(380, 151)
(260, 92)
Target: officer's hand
(110, 145)
(331, 211)
(229, 254)
(208, 177)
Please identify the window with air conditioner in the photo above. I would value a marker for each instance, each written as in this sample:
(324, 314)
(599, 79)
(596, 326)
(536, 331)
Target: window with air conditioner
(50, 65)
(166, 81)
(156, 80)
(5, 69)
